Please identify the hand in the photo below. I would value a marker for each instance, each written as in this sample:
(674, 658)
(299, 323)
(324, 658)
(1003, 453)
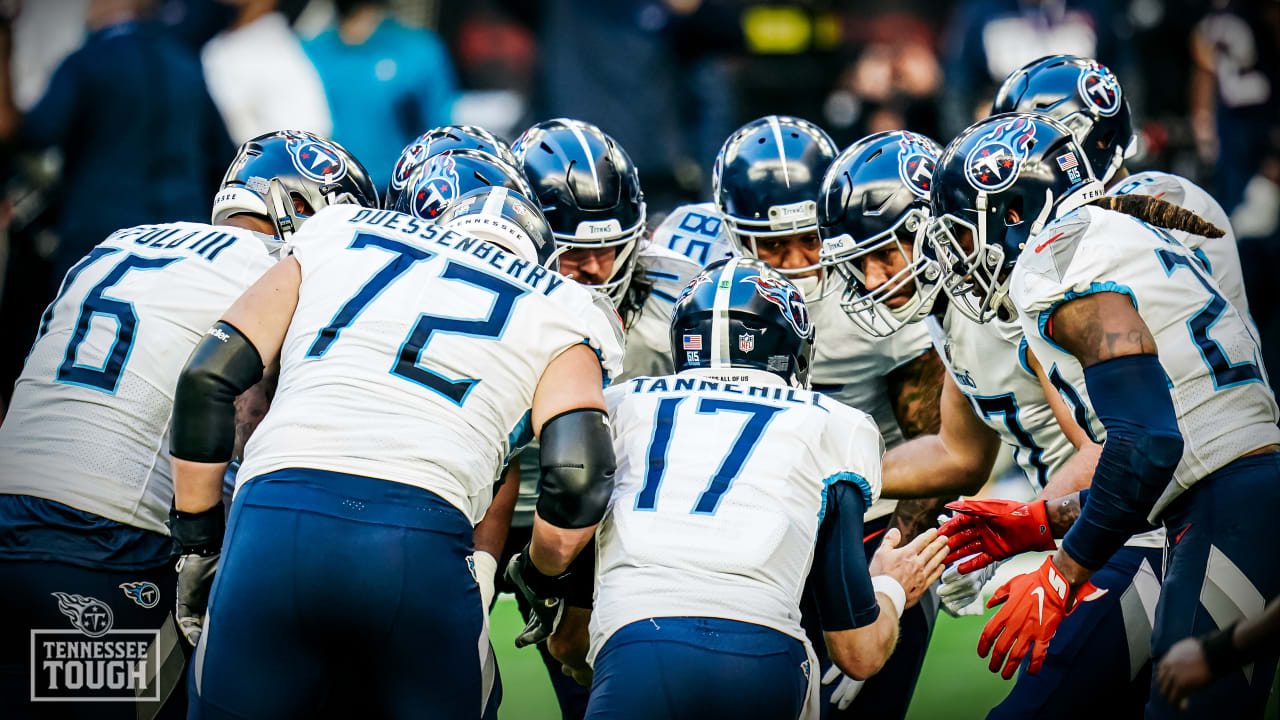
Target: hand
(484, 566)
(961, 593)
(195, 579)
(546, 611)
(581, 676)
(914, 566)
(1182, 671)
(1040, 600)
(846, 690)
(995, 530)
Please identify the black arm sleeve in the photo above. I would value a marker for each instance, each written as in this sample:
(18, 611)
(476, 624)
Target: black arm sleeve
(221, 367)
(841, 583)
(577, 468)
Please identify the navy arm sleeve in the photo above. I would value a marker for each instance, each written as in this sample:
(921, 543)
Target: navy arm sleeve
(841, 583)
(1130, 395)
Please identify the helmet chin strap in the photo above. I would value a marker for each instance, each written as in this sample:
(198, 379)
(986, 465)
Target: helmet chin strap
(809, 286)
(281, 205)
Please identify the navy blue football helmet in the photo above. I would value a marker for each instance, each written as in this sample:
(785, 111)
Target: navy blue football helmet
(766, 181)
(741, 313)
(434, 142)
(272, 171)
(449, 175)
(506, 218)
(589, 190)
(1081, 94)
(995, 186)
(874, 199)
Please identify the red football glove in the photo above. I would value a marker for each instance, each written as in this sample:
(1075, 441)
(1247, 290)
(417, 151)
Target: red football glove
(1039, 602)
(995, 530)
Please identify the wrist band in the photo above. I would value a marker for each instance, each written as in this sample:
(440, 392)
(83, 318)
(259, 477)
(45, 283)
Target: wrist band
(887, 585)
(1220, 651)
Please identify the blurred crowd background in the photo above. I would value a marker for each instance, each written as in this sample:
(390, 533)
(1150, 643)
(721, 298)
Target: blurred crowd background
(115, 113)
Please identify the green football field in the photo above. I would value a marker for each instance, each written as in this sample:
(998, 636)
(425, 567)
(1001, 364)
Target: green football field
(955, 683)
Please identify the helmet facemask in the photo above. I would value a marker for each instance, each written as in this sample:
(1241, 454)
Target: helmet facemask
(600, 235)
(868, 309)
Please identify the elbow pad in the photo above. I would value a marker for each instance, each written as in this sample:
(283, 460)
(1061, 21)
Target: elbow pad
(577, 468)
(221, 367)
(1130, 395)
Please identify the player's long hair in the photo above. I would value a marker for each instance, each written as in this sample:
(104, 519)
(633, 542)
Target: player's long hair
(1161, 213)
(637, 293)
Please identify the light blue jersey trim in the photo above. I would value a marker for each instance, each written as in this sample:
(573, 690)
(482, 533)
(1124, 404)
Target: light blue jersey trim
(1098, 287)
(845, 476)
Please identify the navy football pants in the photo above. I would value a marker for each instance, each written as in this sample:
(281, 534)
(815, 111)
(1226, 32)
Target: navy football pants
(1221, 565)
(1101, 650)
(699, 669)
(337, 591)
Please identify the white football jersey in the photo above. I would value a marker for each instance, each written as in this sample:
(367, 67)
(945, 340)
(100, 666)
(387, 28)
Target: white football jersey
(648, 350)
(719, 495)
(1219, 256)
(851, 366)
(695, 231)
(1221, 394)
(988, 361)
(414, 353)
(848, 364)
(89, 422)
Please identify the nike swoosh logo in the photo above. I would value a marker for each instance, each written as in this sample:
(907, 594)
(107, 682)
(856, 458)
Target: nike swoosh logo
(1039, 593)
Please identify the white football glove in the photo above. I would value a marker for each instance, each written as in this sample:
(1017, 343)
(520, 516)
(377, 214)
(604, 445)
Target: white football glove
(962, 594)
(846, 690)
(485, 567)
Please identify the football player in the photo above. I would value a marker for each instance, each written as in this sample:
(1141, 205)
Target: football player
(410, 354)
(1170, 369)
(874, 222)
(766, 183)
(87, 485)
(590, 192)
(698, 582)
(1087, 97)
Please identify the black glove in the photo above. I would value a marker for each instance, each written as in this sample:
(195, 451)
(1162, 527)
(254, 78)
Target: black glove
(544, 594)
(198, 539)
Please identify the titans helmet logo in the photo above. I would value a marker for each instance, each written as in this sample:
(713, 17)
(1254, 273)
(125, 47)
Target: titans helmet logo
(410, 158)
(1100, 90)
(916, 162)
(316, 159)
(788, 299)
(994, 162)
(693, 285)
(89, 615)
(437, 188)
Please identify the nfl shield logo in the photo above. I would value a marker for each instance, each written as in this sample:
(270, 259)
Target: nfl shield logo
(746, 342)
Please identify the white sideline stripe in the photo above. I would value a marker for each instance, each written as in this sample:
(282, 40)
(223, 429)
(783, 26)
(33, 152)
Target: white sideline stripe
(720, 319)
(782, 153)
(591, 161)
(1228, 595)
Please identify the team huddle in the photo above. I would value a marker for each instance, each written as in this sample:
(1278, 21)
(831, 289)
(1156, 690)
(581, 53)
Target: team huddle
(717, 462)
